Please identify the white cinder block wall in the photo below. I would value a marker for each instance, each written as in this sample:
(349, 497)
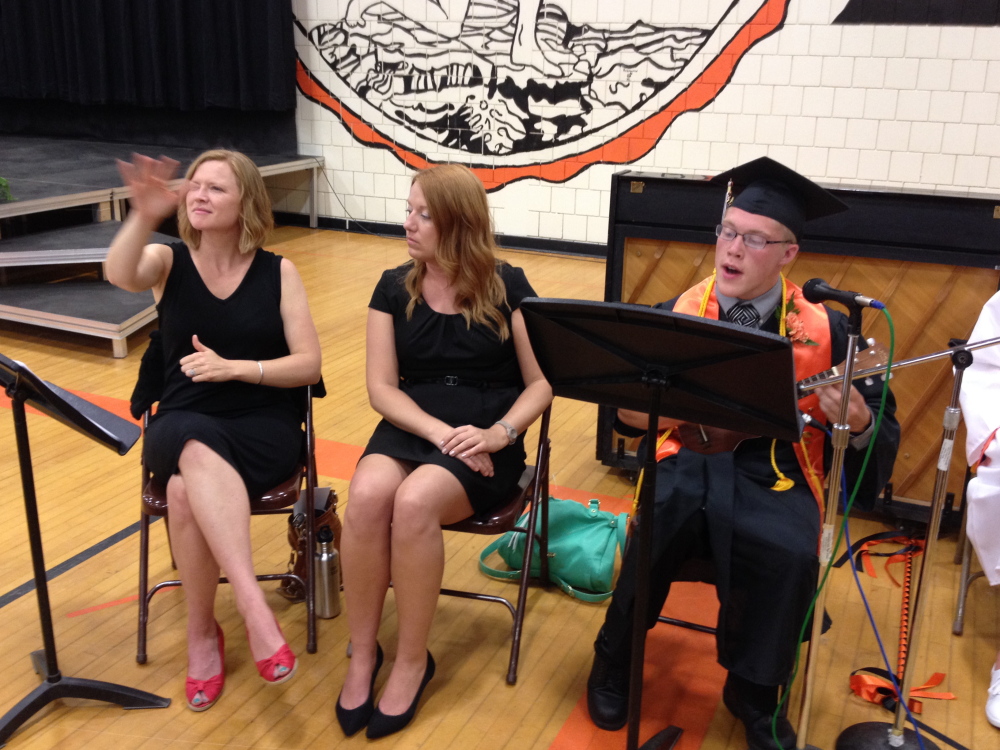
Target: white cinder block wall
(888, 106)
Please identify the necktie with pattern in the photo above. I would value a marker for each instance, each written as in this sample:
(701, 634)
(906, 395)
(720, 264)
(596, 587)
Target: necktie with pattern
(744, 314)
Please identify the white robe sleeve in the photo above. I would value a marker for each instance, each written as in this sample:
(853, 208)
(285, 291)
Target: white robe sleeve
(980, 394)
(981, 411)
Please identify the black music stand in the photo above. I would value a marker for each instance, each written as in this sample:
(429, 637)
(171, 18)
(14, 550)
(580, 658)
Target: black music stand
(23, 386)
(664, 364)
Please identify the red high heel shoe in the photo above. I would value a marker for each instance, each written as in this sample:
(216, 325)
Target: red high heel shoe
(283, 657)
(211, 688)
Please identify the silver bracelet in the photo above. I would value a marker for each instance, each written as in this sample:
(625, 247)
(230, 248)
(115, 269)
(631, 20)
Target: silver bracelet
(261, 368)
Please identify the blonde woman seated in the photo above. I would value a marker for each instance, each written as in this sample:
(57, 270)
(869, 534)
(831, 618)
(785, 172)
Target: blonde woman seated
(451, 371)
(237, 335)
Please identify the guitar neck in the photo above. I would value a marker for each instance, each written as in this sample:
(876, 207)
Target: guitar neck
(876, 357)
(815, 381)
(833, 376)
(867, 362)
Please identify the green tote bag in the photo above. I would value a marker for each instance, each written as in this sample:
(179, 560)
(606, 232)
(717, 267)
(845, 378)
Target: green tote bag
(583, 543)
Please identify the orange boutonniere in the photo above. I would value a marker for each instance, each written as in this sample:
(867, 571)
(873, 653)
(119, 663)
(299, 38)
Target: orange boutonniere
(795, 328)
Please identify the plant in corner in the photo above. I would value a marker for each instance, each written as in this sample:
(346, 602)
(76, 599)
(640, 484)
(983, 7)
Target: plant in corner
(5, 195)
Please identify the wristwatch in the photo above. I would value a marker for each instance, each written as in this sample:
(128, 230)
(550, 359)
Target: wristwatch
(511, 431)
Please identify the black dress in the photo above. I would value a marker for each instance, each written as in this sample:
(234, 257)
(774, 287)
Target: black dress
(433, 349)
(255, 428)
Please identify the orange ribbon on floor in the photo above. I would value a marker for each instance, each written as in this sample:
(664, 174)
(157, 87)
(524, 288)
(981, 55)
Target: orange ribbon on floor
(911, 546)
(877, 689)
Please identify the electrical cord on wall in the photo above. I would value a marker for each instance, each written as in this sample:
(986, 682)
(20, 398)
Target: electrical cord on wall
(360, 223)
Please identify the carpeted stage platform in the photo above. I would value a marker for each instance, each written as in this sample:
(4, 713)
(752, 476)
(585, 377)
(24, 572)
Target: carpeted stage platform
(88, 243)
(92, 308)
(48, 174)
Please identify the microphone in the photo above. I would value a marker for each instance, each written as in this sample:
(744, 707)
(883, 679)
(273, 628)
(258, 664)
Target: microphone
(817, 290)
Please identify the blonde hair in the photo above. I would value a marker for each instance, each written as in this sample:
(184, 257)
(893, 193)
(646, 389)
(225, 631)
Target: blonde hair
(256, 218)
(466, 251)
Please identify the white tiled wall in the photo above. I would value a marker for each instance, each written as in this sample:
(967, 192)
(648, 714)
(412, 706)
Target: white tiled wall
(887, 106)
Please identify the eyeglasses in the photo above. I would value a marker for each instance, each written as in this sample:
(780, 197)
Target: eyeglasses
(753, 241)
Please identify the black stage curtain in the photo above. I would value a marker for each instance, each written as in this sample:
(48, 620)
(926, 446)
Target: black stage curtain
(182, 54)
(252, 132)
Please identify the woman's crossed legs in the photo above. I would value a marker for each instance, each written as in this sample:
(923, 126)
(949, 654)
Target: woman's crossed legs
(209, 520)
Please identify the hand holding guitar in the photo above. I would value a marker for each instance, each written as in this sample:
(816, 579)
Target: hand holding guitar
(859, 416)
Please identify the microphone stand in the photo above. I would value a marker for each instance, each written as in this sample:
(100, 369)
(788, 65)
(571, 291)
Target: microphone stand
(841, 436)
(877, 734)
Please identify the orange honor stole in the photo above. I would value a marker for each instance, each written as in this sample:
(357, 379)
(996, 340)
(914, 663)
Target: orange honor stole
(808, 327)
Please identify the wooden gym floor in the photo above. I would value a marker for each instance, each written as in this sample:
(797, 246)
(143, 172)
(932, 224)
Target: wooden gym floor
(88, 495)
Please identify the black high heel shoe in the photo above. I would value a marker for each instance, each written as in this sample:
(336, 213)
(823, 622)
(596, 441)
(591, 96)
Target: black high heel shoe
(382, 725)
(352, 720)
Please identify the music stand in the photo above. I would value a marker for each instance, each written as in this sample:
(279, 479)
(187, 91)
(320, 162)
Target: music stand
(665, 364)
(23, 386)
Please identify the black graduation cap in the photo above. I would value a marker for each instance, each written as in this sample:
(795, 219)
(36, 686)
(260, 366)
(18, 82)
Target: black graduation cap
(769, 188)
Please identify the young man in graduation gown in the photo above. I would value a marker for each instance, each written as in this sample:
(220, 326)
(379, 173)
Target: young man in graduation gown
(753, 510)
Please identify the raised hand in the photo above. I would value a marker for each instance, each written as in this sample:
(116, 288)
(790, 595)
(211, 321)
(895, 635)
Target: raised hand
(148, 179)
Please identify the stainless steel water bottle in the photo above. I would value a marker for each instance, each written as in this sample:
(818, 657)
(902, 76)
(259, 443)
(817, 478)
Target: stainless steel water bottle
(327, 575)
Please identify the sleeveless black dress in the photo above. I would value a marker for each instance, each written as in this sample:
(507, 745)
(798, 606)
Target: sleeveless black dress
(433, 348)
(255, 428)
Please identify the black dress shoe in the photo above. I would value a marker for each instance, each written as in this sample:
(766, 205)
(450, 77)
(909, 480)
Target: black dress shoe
(352, 720)
(754, 705)
(382, 725)
(607, 693)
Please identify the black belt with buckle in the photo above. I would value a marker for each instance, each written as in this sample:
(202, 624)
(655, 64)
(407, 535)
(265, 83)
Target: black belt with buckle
(455, 380)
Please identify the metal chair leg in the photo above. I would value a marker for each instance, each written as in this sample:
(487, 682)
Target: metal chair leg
(963, 508)
(539, 497)
(963, 587)
(140, 653)
(963, 555)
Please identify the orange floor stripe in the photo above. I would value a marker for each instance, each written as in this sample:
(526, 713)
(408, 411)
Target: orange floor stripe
(682, 682)
(338, 460)
(106, 605)
(117, 406)
(335, 459)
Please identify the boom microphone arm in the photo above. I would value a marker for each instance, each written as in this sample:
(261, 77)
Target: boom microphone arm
(817, 290)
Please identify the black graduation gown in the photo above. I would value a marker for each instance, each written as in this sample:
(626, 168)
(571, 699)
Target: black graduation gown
(762, 543)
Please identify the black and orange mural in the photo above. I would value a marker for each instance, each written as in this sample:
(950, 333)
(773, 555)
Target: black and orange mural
(515, 88)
